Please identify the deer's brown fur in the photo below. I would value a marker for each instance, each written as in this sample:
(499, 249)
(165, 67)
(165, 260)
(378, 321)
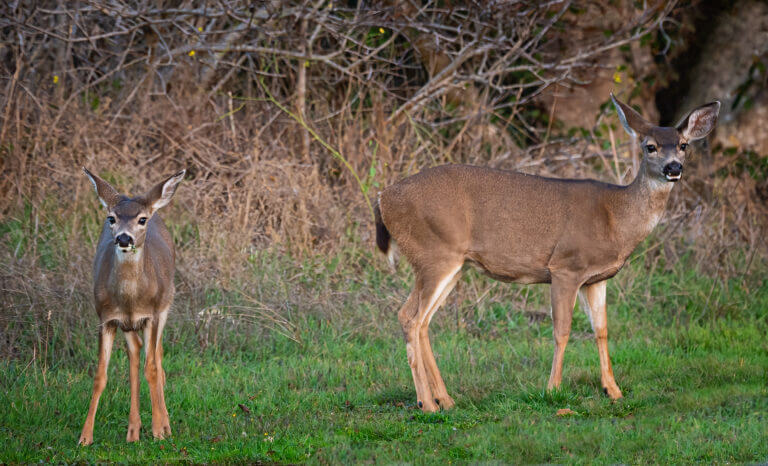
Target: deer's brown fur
(133, 291)
(574, 234)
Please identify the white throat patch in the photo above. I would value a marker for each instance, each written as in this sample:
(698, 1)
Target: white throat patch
(128, 255)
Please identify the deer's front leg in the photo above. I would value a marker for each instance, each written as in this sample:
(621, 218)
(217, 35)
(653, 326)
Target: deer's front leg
(596, 310)
(153, 371)
(134, 418)
(563, 293)
(106, 338)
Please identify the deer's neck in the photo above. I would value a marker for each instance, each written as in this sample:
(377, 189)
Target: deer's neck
(642, 204)
(127, 271)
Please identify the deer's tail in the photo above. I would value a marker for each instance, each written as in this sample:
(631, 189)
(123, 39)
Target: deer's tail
(383, 238)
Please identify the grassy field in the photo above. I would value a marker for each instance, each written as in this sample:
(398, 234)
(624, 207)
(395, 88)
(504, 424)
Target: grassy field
(689, 353)
(283, 343)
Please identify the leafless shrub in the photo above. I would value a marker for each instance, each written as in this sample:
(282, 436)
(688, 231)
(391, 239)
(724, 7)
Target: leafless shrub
(288, 115)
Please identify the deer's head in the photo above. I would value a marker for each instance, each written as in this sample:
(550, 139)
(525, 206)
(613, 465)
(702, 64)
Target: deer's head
(664, 148)
(128, 218)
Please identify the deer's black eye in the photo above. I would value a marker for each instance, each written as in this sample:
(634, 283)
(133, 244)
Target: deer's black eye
(683, 146)
(143, 221)
(111, 220)
(650, 148)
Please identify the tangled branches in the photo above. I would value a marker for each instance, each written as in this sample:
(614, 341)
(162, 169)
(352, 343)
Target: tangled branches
(501, 52)
(283, 111)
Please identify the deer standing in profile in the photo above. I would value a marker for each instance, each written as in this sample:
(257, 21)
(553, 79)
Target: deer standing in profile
(573, 234)
(133, 290)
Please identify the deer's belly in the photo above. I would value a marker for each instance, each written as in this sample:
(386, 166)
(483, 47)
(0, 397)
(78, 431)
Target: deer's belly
(604, 274)
(512, 273)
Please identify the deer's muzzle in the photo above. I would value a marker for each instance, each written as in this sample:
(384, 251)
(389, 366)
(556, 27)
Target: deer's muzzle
(123, 240)
(673, 171)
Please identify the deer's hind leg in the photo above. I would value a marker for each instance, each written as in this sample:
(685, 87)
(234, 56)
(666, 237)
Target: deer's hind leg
(134, 418)
(160, 370)
(414, 314)
(408, 317)
(153, 371)
(436, 384)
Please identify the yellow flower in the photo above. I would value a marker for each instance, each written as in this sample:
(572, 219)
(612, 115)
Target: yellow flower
(381, 30)
(617, 77)
(55, 79)
(234, 414)
(191, 53)
(200, 29)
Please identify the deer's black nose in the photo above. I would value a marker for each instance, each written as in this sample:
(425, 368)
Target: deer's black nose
(673, 169)
(123, 240)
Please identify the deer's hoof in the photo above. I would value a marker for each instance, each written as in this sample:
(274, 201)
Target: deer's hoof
(161, 432)
(85, 440)
(612, 391)
(133, 433)
(428, 406)
(445, 402)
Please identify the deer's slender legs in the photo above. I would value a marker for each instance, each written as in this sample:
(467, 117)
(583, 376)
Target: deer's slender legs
(427, 291)
(134, 419)
(106, 338)
(564, 293)
(436, 384)
(153, 371)
(596, 311)
(162, 317)
(408, 316)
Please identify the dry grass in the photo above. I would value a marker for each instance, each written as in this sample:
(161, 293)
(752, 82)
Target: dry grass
(262, 188)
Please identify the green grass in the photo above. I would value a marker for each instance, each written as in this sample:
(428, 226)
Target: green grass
(694, 392)
(328, 381)
(695, 395)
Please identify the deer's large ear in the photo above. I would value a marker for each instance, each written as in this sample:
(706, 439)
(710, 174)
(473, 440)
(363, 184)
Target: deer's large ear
(699, 122)
(161, 194)
(107, 194)
(633, 123)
